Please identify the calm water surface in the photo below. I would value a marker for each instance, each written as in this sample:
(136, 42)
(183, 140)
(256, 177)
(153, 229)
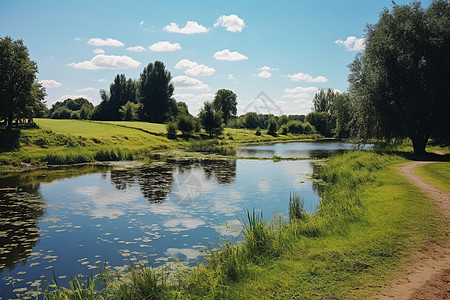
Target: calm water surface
(67, 221)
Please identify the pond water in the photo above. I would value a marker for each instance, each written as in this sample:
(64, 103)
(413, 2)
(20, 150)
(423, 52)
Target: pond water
(68, 220)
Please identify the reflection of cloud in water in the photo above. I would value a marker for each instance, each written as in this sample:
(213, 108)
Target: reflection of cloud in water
(110, 204)
(189, 253)
(231, 227)
(187, 223)
(264, 185)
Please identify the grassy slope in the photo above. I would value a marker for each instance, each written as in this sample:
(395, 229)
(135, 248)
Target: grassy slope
(73, 141)
(437, 174)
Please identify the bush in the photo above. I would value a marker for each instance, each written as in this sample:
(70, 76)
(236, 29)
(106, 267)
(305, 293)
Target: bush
(272, 128)
(186, 124)
(171, 128)
(258, 131)
(284, 130)
(295, 127)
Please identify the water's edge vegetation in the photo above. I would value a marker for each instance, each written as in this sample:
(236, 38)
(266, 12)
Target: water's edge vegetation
(369, 222)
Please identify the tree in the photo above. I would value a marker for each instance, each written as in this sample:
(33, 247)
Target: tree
(343, 114)
(129, 111)
(186, 124)
(225, 101)
(20, 94)
(399, 84)
(120, 92)
(325, 101)
(155, 92)
(318, 120)
(272, 127)
(210, 119)
(64, 109)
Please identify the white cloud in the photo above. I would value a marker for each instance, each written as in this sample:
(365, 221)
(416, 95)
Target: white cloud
(189, 83)
(299, 89)
(231, 23)
(141, 23)
(264, 74)
(164, 46)
(77, 39)
(299, 95)
(231, 77)
(229, 56)
(191, 27)
(108, 42)
(84, 90)
(193, 68)
(50, 83)
(267, 68)
(352, 43)
(136, 49)
(307, 78)
(111, 62)
(99, 51)
(100, 80)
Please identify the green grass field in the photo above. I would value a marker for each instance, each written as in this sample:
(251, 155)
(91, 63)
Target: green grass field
(78, 141)
(370, 222)
(437, 174)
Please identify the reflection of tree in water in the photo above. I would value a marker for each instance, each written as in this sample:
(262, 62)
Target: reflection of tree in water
(155, 180)
(19, 217)
(20, 211)
(317, 184)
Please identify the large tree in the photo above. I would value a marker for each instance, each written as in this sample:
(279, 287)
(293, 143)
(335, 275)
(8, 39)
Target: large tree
(225, 101)
(400, 83)
(120, 92)
(20, 95)
(155, 92)
(210, 119)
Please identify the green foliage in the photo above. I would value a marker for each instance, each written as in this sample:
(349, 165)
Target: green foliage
(272, 128)
(172, 129)
(437, 174)
(294, 127)
(186, 124)
(284, 129)
(155, 92)
(129, 111)
(296, 211)
(211, 120)
(78, 108)
(226, 102)
(399, 84)
(21, 95)
(319, 121)
(258, 131)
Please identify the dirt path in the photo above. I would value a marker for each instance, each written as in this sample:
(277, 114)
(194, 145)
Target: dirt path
(429, 276)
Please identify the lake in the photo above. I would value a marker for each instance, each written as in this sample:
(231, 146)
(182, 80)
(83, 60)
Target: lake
(66, 221)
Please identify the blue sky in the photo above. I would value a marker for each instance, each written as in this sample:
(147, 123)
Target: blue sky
(287, 49)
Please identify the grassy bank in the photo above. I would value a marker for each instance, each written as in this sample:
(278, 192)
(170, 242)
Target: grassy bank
(75, 141)
(437, 174)
(370, 221)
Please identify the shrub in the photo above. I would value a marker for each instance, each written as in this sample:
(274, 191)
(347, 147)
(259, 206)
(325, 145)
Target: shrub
(295, 127)
(186, 124)
(272, 128)
(258, 131)
(171, 128)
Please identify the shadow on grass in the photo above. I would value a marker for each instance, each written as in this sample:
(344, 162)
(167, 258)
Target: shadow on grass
(9, 140)
(419, 157)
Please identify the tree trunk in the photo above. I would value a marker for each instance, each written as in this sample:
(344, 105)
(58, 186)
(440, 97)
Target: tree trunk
(419, 145)
(9, 122)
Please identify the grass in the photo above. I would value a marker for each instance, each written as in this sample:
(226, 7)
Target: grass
(78, 141)
(370, 221)
(437, 174)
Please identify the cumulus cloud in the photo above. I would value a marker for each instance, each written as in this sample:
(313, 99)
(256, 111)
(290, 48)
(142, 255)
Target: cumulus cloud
(352, 43)
(77, 39)
(108, 42)
(229, 56)
(191, 27)
(193, 68)
(141, 23)
(189, 83)
(231, 23)
(50, 83)
(99, 51)
(307, 78)
(165, 46)
(303, 93)
(100, 80)
(231, 77)
(111, 62)
(84, 90)
(267, 68)
(264, 74)
(136, 49)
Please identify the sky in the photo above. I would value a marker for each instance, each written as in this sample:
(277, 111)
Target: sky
(274, 55)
